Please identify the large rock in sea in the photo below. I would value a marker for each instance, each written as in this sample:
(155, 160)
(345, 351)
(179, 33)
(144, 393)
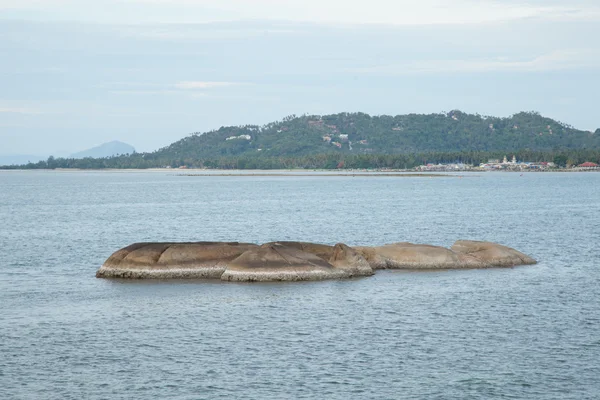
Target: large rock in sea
(492, 254)
(172, 260)
(323, 251)
(278, 262)
(406, 255)
(297, 261)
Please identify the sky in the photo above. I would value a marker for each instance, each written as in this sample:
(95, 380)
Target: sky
(75, 74)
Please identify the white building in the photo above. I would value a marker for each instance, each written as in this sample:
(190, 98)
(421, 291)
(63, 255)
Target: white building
(245, 137)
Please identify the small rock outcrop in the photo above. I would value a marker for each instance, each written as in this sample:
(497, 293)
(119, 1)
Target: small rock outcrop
(492, 254)
(350, 261)
(406, 255)
(172, 260)
(276, 262)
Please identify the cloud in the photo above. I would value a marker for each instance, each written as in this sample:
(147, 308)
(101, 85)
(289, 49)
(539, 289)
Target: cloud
(390, 12)
(19, 110)
(553, 61)
(217, 31)
(192, 89)
(204, 84)
(145, 92)
(10, 4)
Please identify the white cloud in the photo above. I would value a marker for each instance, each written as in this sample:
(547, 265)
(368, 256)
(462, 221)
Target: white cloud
(12, 4)
(553, 61)
(195, 32)
(145, 92)
(204, 84)
(19, 110)
(193, 89)
(394, 12)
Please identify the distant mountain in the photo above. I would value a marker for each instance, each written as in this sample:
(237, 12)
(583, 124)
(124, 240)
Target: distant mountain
(106, 150)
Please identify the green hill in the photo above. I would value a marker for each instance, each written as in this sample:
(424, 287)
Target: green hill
(358, 140)
(359, 133)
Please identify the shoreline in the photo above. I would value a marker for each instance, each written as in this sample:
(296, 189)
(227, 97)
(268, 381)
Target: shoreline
(297, 172)
(329, 174)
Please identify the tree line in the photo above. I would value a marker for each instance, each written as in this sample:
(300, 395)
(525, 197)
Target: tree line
(562, 158)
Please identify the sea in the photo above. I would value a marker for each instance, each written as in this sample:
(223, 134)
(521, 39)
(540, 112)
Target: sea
(530, 332)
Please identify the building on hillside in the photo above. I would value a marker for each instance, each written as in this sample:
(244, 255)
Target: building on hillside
(245, 137)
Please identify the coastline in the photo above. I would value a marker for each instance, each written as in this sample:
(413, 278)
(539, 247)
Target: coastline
(299, 172)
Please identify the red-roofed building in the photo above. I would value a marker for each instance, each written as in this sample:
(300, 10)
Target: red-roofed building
(588, 165)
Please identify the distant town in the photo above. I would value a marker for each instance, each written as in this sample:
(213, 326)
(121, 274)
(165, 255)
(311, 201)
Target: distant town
(506, 165)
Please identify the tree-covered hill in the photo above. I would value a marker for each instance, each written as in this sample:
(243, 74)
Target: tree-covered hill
(358, 140)
(358, 133)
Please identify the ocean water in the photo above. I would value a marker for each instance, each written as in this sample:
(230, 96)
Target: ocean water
(529, 332)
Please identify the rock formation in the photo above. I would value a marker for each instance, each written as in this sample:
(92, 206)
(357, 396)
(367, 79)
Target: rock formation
(297, 261)
(320, 250)
(492, 254)
(276, 262)
(406, 255)
(350, 261)
(172, 260)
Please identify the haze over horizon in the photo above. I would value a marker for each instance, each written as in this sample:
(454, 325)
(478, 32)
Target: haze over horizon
(76, 74)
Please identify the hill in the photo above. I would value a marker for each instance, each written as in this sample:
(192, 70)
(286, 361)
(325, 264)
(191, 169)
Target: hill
(358, 133)
(106, 150)
(358, 140)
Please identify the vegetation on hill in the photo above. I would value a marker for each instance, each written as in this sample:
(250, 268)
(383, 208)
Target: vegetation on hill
(358, 140)
(359, 133)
